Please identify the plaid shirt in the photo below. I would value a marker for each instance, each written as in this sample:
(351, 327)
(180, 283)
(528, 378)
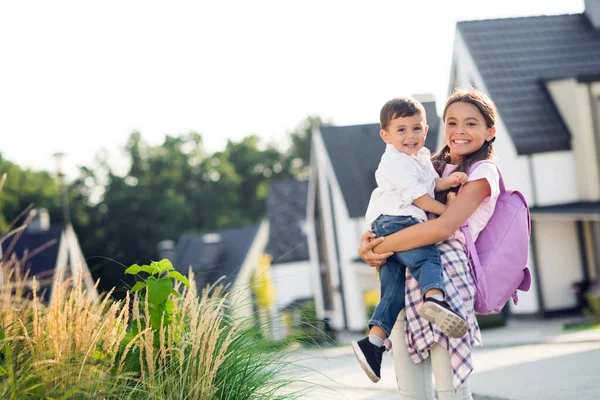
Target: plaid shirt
(460, 294)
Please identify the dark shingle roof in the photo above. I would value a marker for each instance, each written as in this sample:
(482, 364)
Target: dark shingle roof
(572, 208)
(210, 261)
(433, 120)
(43, 244)
(516, 56)
(41, 248)
(286, 211)
(355, 152)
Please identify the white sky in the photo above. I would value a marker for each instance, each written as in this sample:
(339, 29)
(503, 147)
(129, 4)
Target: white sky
(79, 76)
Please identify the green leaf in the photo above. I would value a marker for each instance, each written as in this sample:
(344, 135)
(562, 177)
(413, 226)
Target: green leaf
(134, 269)
(158, 290)
(175, 293)
(176, 275)
(170, 306)
(2, 371)
(165, 265)
(156, 314)
(155, 267)
(137, 286)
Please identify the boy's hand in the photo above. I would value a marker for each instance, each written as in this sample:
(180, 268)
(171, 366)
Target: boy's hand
(456, 179)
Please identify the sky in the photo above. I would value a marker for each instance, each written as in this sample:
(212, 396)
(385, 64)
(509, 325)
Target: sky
(79, 76)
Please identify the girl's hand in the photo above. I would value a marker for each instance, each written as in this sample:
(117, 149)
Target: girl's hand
(365, 251)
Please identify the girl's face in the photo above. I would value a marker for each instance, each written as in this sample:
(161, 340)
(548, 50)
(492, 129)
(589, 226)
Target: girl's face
(465, 130)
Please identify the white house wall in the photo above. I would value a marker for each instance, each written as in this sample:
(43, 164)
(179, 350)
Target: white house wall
(558, 251)
(348, 245)
(311, 236)
(241, 290)
(555, 178)
(573, 102)
(292, 281)
(325, 172)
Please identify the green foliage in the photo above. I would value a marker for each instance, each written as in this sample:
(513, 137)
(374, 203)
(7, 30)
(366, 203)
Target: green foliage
(24, 187)
(158, 282)
(593, 308)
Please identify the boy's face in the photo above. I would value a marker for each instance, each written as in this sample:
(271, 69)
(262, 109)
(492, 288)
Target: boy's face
(406, 134)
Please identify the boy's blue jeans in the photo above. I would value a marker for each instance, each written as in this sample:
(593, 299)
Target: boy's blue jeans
(423, 263)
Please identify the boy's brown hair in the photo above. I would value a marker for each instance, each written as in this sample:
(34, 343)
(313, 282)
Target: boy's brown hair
(400, 107)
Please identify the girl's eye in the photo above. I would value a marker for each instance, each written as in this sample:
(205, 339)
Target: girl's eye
(401, 130)
(418, 128)
(451, 123)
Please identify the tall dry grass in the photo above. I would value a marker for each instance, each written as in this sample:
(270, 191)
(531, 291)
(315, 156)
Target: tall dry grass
(78, 347)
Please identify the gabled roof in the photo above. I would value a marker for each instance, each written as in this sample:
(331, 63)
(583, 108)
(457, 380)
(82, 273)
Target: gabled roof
(355, 152)
(286, 211)
(211, 258)
(41, 248)
(517, 56)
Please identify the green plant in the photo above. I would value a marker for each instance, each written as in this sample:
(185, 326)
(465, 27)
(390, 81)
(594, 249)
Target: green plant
(158, 285)
(593, 308)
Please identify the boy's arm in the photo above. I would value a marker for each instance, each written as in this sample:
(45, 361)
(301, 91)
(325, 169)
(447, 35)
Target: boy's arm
(429, 204)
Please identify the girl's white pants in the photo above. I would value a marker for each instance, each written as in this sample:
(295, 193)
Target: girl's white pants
(415, 380)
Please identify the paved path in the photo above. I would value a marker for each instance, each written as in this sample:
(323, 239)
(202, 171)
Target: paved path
(549, 367)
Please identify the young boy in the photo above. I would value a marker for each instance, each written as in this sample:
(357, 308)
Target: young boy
(406, 181)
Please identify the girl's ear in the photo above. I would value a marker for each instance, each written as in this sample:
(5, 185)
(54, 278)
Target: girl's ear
(491, 133)
(384, 136)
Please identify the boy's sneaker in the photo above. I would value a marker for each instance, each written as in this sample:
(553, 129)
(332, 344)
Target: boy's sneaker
(369, 357)
(439, 313)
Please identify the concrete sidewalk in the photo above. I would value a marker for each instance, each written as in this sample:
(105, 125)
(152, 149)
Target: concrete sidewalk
(522, 361)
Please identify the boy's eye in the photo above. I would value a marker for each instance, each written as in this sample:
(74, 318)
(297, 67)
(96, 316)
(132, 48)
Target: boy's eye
(451, 123)
(401, 130)
(418, 128)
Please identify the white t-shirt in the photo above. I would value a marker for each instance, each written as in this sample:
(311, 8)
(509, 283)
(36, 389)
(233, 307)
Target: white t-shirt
(400, 180)
(482, 214)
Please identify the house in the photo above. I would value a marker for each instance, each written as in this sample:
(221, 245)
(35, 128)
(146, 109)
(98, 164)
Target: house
(543, 73)
(288, 249)
(229, 256)
(343, 164)
(51, 254)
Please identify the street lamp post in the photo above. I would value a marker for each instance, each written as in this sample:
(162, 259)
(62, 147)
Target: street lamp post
(60, 174)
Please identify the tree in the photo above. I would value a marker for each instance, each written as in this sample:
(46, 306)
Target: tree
(298, 158)
(24, 187)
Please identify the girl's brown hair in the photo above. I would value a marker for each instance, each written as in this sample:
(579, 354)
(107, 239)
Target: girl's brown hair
(486, 106)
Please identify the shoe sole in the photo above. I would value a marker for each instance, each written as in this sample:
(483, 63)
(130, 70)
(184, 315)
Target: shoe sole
(451, 324)
(362, 360)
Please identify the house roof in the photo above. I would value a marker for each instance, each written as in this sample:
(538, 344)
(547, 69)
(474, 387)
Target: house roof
(37, 252)
(517, 56)
(42, 244)
(355, 152)
(286, 211)
(433, 120)
(213, 255)
(580, 208)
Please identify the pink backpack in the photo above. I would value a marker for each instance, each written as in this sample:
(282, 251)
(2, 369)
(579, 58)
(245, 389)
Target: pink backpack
(499, 256)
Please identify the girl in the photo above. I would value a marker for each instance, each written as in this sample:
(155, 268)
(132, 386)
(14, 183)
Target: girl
(469, 133)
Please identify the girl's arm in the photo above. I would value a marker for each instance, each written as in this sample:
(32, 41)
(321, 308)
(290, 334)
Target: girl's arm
(436, 230)
(429, 232)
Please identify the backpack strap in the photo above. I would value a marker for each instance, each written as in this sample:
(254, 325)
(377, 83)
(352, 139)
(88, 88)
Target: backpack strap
(472, 251)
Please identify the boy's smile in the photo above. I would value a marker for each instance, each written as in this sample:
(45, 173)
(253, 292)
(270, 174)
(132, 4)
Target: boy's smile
(406, 134)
